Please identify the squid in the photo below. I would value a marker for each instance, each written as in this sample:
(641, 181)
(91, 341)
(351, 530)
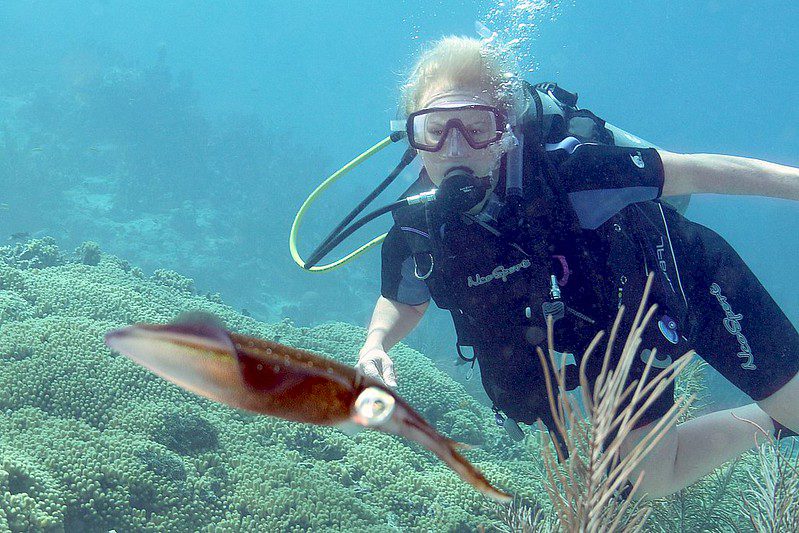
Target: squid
(266, 377)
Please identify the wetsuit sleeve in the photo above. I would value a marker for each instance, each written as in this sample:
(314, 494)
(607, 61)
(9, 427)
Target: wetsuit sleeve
(398, 282)
(602, 180)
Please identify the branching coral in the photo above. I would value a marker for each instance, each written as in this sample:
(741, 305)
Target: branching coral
(88, 253)
(526, 517)
(761, 488)
(36, 253)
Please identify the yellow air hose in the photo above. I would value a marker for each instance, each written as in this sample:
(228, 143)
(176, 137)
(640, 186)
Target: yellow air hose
(295, 226)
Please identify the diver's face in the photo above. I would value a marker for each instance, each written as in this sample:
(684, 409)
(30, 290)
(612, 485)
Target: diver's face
(456, 152)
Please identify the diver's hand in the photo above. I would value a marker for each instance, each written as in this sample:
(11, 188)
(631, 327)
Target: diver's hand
(377, 364)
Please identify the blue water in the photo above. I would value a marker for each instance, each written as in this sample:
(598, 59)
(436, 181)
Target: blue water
(185, 136)
(703, 77)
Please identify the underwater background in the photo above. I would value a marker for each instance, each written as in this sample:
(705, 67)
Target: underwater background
(152, 158)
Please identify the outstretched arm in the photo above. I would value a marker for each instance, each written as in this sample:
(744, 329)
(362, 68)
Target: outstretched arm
(391, 321)
(726, 174)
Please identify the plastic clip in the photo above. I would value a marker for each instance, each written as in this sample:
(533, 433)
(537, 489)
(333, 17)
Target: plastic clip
(416, 268)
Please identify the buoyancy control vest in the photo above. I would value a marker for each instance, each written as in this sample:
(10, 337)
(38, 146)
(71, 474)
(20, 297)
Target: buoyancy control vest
(500, 278)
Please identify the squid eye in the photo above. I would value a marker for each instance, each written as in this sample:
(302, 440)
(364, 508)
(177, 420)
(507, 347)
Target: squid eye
(374, 406)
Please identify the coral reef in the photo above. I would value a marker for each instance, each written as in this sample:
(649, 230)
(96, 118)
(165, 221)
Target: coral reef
(88, 253)
(92, 442)
(170, 278)
(130, 158)
(36, 253)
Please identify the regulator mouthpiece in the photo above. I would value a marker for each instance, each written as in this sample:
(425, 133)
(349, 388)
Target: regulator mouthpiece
(461, 190)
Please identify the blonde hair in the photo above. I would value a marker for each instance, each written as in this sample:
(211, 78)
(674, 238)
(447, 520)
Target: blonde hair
(464, 63)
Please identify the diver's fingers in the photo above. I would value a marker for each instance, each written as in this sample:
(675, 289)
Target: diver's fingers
(389, 377)
(378, 365)
(369, 369)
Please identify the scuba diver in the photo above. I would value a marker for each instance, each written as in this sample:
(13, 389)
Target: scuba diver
(539, 214)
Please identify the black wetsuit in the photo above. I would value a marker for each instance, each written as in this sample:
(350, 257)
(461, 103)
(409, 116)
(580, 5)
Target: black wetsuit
(709, 300)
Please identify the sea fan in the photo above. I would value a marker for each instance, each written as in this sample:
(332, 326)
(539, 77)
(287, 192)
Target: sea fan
(708, 505)
(587, 491)
(772, 500)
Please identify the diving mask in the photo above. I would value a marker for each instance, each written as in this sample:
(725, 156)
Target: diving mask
(481, 125)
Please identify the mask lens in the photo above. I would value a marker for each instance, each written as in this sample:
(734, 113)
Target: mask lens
(480, 126)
